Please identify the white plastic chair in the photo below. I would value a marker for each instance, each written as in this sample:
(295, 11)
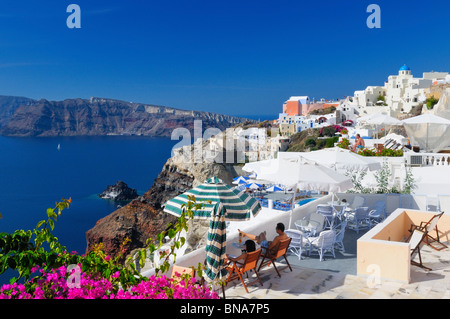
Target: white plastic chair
(359, 219)
(339, 241)
(378, 214)
(339, 210)
(327, 212)
(311, 225)
(358, 201)
(323, 243)
(296, 246)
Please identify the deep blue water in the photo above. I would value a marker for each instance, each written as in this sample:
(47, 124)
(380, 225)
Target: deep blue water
(259, 117)
(34, 174)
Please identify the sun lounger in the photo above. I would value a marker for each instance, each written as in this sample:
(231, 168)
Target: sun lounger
(417, 237)
(429, 227)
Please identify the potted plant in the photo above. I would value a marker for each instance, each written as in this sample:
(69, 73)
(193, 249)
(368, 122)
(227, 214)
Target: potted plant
(344, 133)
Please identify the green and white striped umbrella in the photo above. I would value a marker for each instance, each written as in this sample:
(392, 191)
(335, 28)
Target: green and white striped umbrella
(216, 244)
(238, 205)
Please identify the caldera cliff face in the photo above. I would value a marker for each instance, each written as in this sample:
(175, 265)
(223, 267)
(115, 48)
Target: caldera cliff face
(143, 217)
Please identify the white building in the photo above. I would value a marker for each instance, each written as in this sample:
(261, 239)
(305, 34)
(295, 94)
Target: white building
(401, 93)
(290, 125)
(444, 80)
(348, 111)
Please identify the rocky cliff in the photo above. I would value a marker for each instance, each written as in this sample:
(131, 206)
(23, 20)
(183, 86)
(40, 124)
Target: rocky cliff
(119, 192)
(99, 116)
(143, 217)
(9, 104)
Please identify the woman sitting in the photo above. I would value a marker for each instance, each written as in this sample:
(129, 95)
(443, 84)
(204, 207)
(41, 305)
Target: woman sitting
(250, 246)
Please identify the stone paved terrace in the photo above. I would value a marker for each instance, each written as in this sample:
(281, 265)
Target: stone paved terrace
(312, 283)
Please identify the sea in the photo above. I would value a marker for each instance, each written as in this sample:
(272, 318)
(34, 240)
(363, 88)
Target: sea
(35, 173)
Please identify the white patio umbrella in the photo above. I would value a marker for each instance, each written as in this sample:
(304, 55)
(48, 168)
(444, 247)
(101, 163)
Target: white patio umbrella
(365, 118)
(383, 119)
(430, 132)
(274, 189)
(257, 167)
(253, 186)
(253, 175)
(240, 180)
(307, 175)
(342, 160)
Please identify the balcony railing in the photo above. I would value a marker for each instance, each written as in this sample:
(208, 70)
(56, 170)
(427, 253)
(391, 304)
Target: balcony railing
(427, 159)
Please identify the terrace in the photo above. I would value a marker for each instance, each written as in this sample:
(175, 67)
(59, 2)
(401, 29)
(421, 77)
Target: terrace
(350, 274)
(374, 266)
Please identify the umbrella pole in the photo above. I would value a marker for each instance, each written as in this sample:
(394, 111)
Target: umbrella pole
(292, 208)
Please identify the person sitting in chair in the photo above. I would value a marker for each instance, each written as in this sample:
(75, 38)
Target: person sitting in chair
(250, 246)
(359, 142)
(261, 238)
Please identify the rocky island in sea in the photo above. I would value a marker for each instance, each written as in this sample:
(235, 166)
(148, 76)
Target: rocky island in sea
(119, 192)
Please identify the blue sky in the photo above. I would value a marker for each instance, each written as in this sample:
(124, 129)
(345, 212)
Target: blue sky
(231, 57)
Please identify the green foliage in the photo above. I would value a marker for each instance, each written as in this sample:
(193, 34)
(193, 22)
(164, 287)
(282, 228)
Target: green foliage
(409, 183)
(24, 251)
(367, 152)
(384, 152)
(310, 142)
(344, 143)
(382, 177)
(173, 231)
(328, 131)
(357, 178)
(320, 143)
(431, 102)
(331, 141)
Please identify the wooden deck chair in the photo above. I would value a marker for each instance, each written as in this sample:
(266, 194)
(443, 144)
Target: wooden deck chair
(416, 239)
(179, 271)
(237, 269)
(429, 227)
(271, 256)
(388, 143)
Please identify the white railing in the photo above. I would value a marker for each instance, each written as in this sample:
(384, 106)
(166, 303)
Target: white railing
(427, 159)
(424, 202)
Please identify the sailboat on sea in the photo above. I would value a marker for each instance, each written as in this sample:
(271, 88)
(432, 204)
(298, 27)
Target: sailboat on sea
(59, 147)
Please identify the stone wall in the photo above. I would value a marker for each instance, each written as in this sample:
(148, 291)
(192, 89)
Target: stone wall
(437, 90)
